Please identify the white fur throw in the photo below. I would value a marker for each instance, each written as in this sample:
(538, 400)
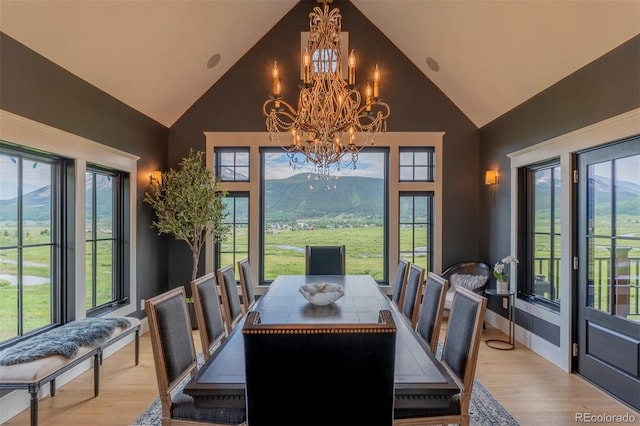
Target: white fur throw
(64, 340)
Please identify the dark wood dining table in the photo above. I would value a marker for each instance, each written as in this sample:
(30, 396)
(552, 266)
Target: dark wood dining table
(420, 379)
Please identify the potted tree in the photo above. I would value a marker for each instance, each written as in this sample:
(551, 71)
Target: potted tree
(188, 204)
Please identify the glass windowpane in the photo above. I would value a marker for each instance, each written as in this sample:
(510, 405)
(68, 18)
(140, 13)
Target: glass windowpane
(8, 294)
(406, 174)
(600, 189)
(8, 197)
(421, 173)
(301, 210)
(89, 208)
(598, 274)
(421, 158)
(406, 158)
(104, 272)
(36, 282)
(104, 206)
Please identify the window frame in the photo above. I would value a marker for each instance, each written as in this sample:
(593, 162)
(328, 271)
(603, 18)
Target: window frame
(235, 151)
(56, 253)
(77, 152)
(385, 213)
(392, 140)
(565, 147)
(218, 251)
(430, 167)
(119, 260)
(526, 249)
(429, 226)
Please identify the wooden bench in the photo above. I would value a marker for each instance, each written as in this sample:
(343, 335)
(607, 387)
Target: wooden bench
(34, 374)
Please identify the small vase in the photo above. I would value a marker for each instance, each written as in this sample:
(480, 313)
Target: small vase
(502, 286)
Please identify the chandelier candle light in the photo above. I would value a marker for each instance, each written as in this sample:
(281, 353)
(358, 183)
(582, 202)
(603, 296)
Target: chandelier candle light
(330, 115)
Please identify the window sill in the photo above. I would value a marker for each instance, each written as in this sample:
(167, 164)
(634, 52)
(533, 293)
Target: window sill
(536, 307)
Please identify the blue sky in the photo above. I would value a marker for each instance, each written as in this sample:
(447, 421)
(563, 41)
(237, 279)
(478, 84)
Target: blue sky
(368, 165)
(36, 175)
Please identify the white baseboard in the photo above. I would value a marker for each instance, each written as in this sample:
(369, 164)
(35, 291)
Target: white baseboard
(17, 401)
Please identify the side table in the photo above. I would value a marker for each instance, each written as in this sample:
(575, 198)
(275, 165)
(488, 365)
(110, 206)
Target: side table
(504, 345)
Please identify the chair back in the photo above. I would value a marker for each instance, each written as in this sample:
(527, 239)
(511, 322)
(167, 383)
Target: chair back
(246, 284)
(400, 282)
(211, 327)
(319, 374)
(413, 293)
(174, 354)
(325, 260)
(432, 310)
(461, 343)
(230, 298)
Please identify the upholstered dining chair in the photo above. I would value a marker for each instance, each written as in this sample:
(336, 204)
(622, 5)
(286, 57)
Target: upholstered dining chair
(459, 357)
(232, 311)
(211, 326)
(175, 361)
(402, 272)
(413, 293)
(246, 285)
(432, 309)
(319, 373)
(325, 260)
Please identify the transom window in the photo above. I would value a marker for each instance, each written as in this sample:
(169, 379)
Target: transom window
(417, 164)
(232, 164)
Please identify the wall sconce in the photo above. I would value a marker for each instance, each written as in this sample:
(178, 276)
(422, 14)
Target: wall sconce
(490, 177)
(156, 177)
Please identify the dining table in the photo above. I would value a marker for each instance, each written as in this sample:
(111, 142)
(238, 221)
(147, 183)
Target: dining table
(421, 381)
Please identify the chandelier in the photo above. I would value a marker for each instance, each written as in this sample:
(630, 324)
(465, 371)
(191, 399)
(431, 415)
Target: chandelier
(331, 116)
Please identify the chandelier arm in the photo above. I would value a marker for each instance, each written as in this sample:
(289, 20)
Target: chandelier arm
(330, 114)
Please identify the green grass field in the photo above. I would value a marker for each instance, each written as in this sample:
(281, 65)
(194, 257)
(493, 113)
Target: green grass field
(36, 299)
(284, 254)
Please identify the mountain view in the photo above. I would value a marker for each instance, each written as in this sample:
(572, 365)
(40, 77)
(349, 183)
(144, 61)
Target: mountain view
(307, 197)
(37, 205)
(303, 197)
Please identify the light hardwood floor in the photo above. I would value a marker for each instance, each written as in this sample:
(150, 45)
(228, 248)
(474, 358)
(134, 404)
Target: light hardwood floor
(533, 390)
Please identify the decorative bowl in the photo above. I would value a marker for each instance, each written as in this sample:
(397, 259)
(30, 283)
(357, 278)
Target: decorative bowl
(321, 294)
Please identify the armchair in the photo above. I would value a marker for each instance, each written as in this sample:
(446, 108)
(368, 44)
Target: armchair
(472, 275)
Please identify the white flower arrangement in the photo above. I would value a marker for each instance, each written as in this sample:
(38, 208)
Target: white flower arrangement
(498, 269)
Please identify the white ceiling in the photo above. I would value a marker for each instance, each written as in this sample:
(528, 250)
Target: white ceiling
(492, 55)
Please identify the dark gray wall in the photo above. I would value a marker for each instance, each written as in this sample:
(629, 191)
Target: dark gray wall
(234, 103)
(34, 87)
(607, 87)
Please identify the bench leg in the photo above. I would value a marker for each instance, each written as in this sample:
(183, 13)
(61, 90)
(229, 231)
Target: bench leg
(137, 346)
(52, 387)
(33, 390)
(96, 373)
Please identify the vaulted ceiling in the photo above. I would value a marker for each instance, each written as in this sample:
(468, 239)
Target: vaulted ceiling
(160, 56)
